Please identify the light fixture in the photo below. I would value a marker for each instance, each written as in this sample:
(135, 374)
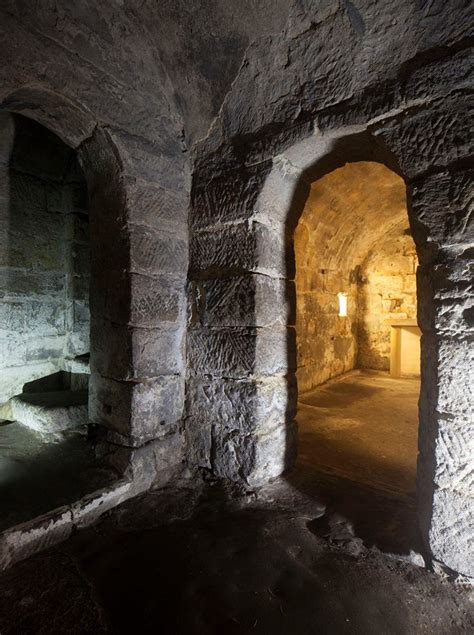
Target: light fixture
(342, 298)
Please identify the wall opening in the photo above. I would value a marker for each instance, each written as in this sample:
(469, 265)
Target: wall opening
(45, 458)
(358, 342)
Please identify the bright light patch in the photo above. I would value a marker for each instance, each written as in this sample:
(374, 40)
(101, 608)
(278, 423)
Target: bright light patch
(342, 298)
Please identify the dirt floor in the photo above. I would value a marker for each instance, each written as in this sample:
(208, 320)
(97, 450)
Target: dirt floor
(193, 562)
(314, 552)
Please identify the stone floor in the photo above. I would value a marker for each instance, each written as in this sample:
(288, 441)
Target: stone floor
(314, 552)
(357, 455)
(362, 427)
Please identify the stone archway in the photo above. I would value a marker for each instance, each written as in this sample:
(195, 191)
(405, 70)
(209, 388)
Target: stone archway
(138, 275)
(241, 340)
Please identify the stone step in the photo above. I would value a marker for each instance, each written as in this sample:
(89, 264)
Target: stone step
(49, 412)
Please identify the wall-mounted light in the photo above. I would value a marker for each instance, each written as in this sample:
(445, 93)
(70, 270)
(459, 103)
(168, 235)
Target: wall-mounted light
(342, 299)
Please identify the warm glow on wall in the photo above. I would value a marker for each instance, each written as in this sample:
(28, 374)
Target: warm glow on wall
(342, 297)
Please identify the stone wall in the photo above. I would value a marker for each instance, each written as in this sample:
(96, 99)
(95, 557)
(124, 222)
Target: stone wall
(386, 291)
(44, 247)
(163, 130)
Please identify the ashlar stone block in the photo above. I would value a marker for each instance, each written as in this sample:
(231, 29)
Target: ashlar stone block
(134, 413)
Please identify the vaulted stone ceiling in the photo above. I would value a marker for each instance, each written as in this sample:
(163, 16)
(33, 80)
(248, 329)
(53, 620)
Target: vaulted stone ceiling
(347, 212)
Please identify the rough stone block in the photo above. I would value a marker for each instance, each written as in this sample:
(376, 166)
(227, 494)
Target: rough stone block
(441, 76)
(229, 420)
(143, 301)
(49, 413)
(40, 349)
(135, 413)
(246, 406)
(446, 297)
(228, 198)
(451, 535)
(78, 342)
(155, 252)
(155, 207)
(12, 316)
(455, 368)
(152, 466)
(454, 455)
(252, 300)
(284, 194)
(124, 353)
(241, 352)
(273, 454)
(436, 136)
(442, 208)
(242, 247)
(162, 161)
(23, 284)
(44, 318)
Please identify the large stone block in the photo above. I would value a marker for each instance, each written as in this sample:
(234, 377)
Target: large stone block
(252, 300)
(451, 535)
(432, 137)
(156, 207)
(39, 349)
(241, 352)
(446, 297)
(125, 353)
(142, 300)
(441, 76)
(454, 455)
(161, 161)
(228, 421)
(442, 207)
(151, 466)
(242, 247)
(245, 406)
(135, 413)
(23, 284)
(44, 318)
(229, 198)
(153, 252)
(455, 368)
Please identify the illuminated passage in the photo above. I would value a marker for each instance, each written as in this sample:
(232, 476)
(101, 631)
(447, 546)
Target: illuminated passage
(356, 311)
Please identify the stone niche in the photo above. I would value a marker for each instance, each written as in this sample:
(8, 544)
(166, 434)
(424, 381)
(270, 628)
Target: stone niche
(44, 261)
(353, 241)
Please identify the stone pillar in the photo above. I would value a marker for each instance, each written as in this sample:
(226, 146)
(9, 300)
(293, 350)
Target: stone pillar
(433, 149)
(241, 341)
(139, 264)
(446, 315)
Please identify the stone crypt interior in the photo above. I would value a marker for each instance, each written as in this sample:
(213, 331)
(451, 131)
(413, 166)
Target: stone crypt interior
(236, 317)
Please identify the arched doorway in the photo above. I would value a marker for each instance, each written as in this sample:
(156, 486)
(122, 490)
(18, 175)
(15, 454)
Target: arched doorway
(358, 342)
(46, 458)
